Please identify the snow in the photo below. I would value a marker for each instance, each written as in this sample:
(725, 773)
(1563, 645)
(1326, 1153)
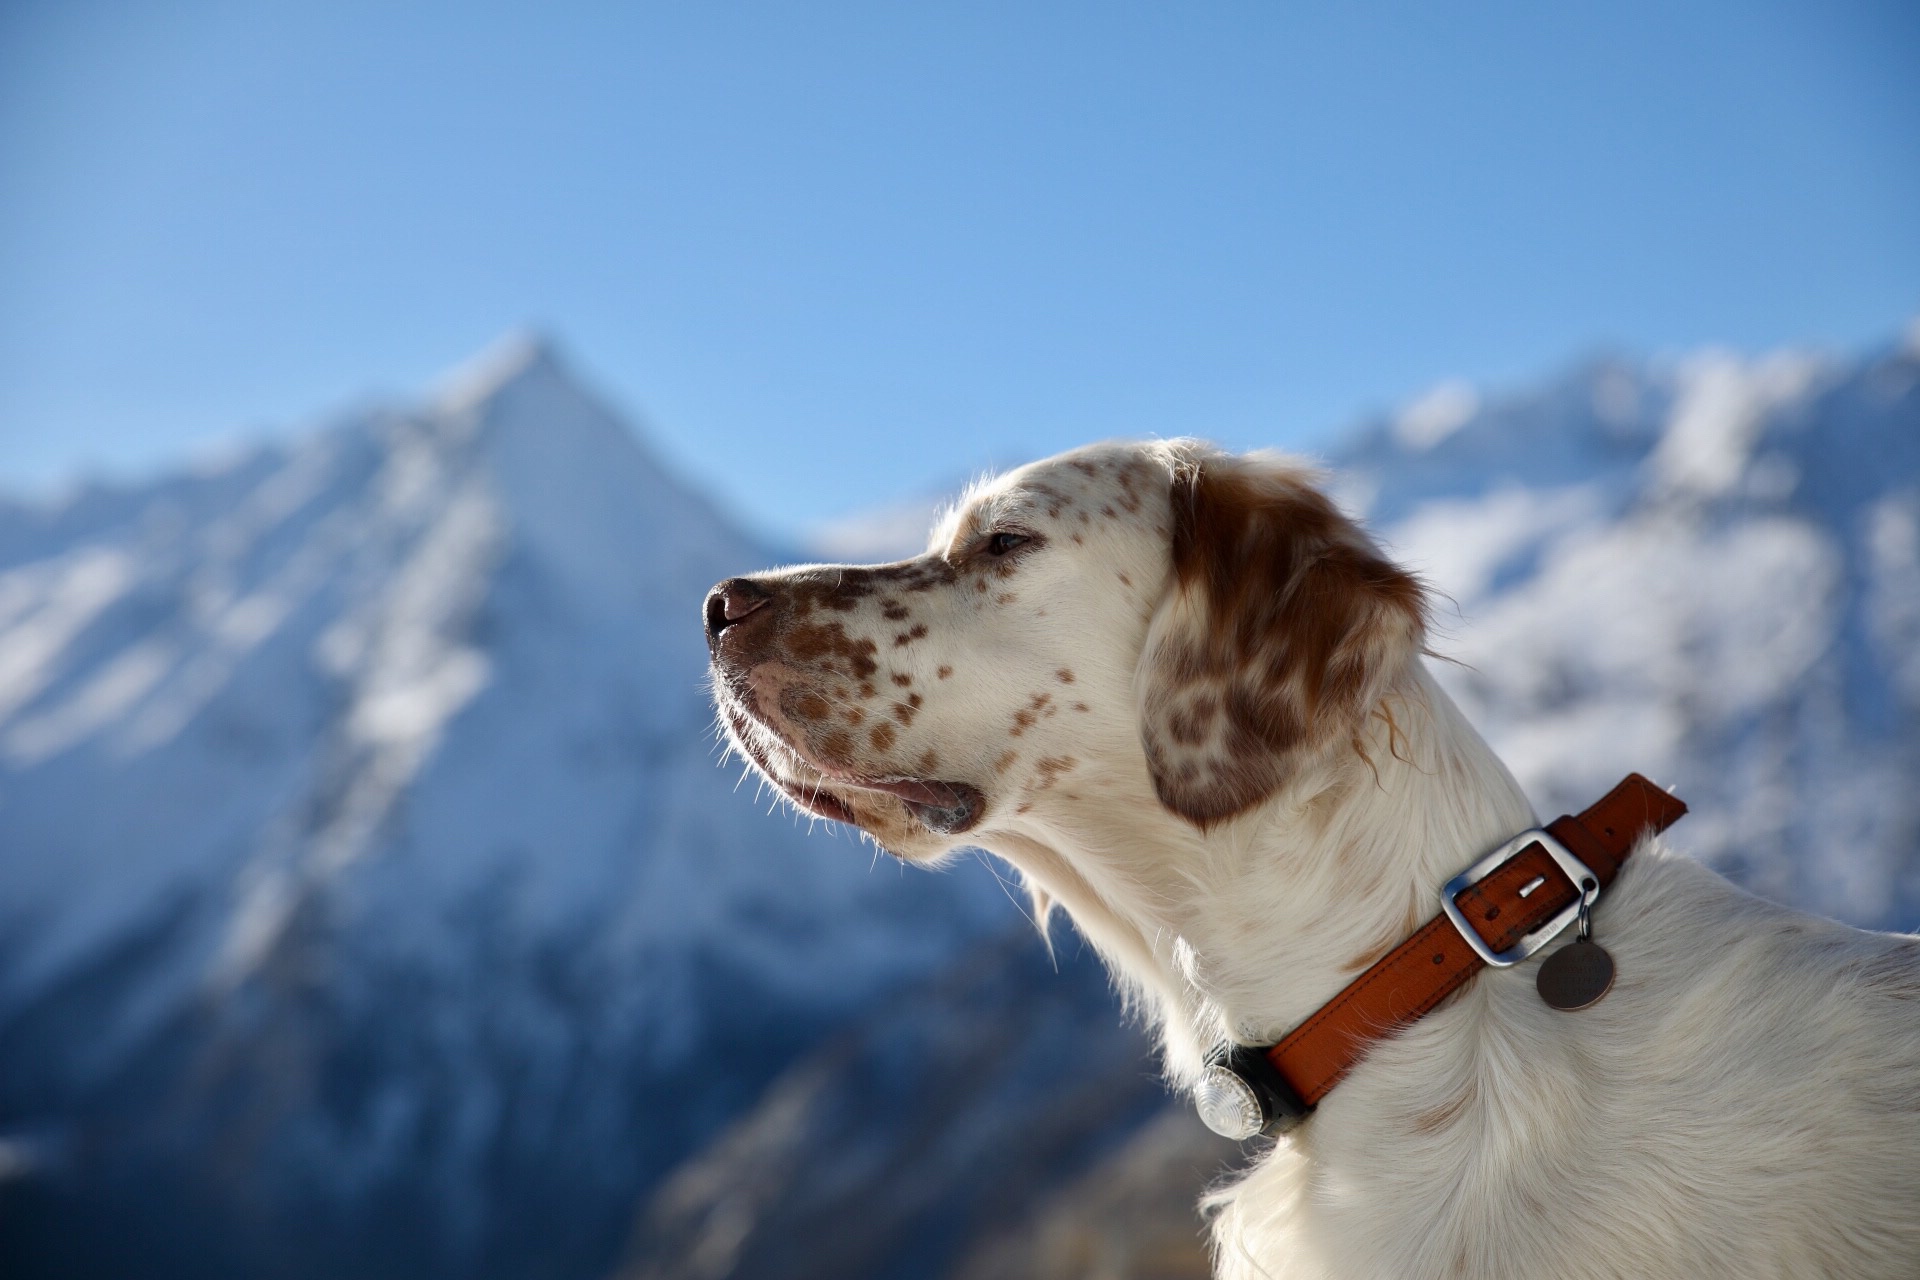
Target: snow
(420, 649)
(1467, 544)
(1725, 600)
(1723, 406)
(45, 606)
(1436, 415)
(1893, 550)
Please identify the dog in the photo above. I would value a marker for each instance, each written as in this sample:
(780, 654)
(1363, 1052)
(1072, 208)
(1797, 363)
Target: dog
(1185, 698)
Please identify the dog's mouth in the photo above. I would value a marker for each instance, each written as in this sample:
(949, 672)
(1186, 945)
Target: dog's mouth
(943, 807)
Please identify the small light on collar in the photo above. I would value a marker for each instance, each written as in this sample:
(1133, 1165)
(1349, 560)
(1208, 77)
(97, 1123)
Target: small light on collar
(1243, 1094)
(1228, 1105)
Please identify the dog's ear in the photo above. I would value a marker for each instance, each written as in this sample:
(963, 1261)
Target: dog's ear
(1280, 631)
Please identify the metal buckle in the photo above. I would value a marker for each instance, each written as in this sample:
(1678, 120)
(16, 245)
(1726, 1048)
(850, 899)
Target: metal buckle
(1576, 871)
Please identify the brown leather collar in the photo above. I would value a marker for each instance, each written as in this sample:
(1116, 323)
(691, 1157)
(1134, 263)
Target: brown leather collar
(1520, 896)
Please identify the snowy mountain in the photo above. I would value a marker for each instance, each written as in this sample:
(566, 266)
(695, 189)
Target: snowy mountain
(1707, 570)
(370, 899)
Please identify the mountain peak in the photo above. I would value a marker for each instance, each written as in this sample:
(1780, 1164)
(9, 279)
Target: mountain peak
(520, 357)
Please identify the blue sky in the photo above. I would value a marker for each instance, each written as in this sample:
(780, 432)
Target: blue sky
(836, 253)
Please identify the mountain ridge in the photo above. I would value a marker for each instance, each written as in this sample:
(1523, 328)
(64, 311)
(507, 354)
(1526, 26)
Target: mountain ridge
(360, 815)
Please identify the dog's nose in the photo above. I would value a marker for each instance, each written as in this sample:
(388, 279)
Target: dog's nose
(731, 602)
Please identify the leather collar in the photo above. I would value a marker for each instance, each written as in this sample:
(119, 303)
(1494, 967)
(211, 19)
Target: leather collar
(1513, 907)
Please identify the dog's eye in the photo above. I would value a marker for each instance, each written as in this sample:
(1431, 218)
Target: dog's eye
(1001, 543)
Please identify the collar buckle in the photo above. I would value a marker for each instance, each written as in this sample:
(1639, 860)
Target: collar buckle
(1576, 871)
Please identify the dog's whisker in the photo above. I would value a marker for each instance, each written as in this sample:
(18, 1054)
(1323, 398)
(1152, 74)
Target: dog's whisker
(1046, 936)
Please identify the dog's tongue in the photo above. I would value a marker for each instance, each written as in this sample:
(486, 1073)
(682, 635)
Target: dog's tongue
(945, 808)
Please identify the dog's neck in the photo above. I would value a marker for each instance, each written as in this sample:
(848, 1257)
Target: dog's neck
(1330, 876)
(1241, 931)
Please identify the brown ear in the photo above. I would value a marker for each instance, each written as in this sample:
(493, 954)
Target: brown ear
(1278, 637)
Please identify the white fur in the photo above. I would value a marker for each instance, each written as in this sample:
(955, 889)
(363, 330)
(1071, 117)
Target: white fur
(1745, 1102)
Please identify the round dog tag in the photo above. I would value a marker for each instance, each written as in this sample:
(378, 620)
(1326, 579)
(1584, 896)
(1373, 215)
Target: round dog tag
(1576, 976)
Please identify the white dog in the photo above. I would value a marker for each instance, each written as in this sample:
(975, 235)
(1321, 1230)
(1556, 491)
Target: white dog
(1185, 699)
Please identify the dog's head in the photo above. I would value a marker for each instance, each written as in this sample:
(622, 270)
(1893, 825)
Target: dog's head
(1127, 626)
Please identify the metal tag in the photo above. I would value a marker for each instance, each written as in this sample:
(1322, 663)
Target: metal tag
(1575, 977)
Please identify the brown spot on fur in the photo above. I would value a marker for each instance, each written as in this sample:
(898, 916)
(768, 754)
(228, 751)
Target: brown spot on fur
(944, 672)
(928, 762)
(1084, 467)
(913, 700)
(1049, 768)
(837, 745)
(1080, 706)
(896, 613)
(882, 737)
(1064, 676)
(1125, 581)
(856, 714)
(809, 706)
(1109, 513)
(902, 679)
(903, 713)
(812, 642)
(1442, 1116)
(866, 688)
(1005, 597)
(1005, 761)
(1022, 721)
